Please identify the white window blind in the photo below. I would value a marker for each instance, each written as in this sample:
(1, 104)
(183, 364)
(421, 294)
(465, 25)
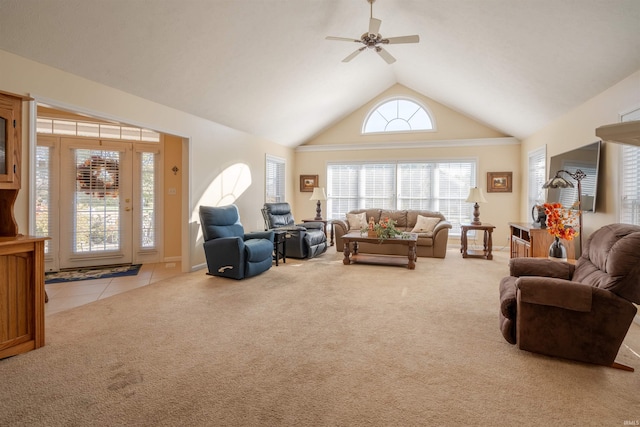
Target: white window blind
(537, 176)
(441, 186)
(274, 179)
(44, 212)
(630, 181)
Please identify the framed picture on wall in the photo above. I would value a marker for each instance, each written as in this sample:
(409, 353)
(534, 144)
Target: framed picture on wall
(308, 182)
(499, 182)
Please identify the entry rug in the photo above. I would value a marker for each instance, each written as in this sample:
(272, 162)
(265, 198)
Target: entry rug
(105, 272)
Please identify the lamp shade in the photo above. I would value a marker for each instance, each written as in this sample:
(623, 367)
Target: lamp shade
(476, 196)
(318, 194)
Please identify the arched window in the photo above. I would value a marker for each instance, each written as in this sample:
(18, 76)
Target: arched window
(397, 115)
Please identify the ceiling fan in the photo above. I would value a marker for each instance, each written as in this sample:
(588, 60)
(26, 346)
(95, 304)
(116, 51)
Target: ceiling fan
(372, 40)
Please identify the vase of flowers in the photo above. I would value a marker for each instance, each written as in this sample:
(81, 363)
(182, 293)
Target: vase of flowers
(561, 223)
(557, 251)
(384, 229)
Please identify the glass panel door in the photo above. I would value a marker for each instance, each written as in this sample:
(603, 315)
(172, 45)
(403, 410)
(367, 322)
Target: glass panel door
(96, 226)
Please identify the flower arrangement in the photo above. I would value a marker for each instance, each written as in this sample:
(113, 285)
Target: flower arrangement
(561, 222)
(384, 229)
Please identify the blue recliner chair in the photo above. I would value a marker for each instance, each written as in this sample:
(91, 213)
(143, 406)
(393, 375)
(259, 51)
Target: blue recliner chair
(303, 240)
(231, 252)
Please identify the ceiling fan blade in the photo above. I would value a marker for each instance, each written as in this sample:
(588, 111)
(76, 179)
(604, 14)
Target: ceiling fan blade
(385, 55)
(402, 39)
(354, 54)
(374, 25)
(342, 39)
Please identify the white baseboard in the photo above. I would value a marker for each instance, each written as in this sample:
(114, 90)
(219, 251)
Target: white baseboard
(198, 267)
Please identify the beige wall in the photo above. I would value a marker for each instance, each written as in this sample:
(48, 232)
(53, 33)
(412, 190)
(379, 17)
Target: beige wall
(577, 128)
(449, 124)
(172, 189)
(211, 147)
(456, 137)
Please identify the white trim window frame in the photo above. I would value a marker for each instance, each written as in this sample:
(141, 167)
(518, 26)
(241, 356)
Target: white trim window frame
(398, 114)
(537, 167)
(275, 179)
(629, 181)
(435, 185)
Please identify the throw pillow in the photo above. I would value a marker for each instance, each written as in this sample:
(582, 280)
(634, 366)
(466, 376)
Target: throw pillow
(357, 221)
(425, 224)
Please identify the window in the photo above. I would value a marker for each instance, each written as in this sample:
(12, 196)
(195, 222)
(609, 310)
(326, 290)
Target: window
(537, 176)
(441, 186)
(147, 169)
(397, 115)
(630, 170)
(43, 197)
(274, 179)
(46, 125)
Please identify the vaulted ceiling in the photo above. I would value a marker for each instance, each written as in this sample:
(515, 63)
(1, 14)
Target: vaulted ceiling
(264, 66)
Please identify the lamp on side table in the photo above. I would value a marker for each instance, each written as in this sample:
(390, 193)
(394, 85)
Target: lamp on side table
(319, 195)
(476, 196)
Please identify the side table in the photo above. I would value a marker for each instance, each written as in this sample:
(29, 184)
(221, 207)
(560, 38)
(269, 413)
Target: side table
(279, 246)
(326, 223)
(487, 241)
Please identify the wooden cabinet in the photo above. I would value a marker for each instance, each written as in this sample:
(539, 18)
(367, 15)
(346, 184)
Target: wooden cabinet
(10, 159)
(21, 294)
(528, 240)
(21, 257)
(10, 146)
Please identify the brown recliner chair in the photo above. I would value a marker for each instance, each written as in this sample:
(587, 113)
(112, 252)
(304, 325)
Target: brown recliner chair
(581, 313)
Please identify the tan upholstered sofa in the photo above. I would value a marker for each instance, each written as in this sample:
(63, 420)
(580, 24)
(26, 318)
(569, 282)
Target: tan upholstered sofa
(432, 240)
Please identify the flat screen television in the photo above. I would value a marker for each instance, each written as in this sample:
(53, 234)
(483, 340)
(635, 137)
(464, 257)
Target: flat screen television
(587, 159)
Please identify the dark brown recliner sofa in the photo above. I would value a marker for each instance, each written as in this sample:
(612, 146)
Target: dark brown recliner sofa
(581, 313)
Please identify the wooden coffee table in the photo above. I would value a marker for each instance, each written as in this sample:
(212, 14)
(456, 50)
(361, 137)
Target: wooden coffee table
(351, 254)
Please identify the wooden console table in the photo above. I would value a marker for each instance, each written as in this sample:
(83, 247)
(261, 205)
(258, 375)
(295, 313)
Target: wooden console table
(528, 240)
(21, 294)
(487, 241)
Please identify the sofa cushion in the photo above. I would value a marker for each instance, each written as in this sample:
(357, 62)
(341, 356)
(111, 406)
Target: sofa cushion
(357, 221)
(412, 216)
(399, 216)
(425, 224)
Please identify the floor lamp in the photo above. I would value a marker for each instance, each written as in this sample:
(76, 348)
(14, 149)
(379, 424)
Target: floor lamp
(559, 182)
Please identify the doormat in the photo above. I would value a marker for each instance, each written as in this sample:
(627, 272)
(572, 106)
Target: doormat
(104, 272)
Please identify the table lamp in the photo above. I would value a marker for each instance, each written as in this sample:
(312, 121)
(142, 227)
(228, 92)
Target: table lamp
(476, 196)
(319, 195)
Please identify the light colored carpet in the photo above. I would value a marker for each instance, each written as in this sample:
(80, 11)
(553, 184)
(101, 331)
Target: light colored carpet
(309, 343)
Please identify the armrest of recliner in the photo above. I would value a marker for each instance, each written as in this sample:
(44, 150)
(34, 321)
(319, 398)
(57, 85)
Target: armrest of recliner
(259, 235)
(571, 320)
(312, 225)
(540, 267)
(224, 243)
(556, 293)
(225, 256)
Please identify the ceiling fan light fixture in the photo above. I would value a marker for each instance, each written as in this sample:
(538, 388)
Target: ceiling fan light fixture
(372, 39)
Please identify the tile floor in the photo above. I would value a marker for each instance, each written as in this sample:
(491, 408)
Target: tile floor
(64, 296)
